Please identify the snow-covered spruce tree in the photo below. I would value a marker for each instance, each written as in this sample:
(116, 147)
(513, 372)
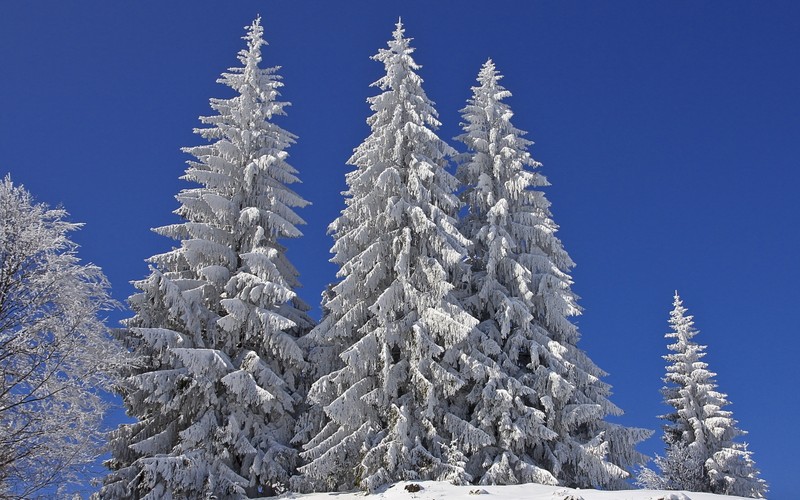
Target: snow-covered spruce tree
(56, 355)
(215, 386)
(393, 316)
(536, 396)
(698, 429)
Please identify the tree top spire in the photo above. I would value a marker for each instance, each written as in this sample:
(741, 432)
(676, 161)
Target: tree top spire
(488, 73)
(255, 34)
(398, 32)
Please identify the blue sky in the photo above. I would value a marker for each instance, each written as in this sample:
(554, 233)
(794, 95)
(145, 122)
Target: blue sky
(668, 130)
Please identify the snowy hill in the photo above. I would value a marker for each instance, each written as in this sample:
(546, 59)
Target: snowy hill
(438, 490)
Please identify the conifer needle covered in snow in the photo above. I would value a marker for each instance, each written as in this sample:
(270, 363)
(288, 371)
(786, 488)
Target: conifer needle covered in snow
(393, 325)
(701, 454)
(215, 386)
(537, 399)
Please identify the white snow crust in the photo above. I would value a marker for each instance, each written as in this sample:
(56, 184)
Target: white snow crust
(441, 490)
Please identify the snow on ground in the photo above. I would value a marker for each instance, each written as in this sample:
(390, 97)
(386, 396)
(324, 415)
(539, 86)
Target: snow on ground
(437, 490)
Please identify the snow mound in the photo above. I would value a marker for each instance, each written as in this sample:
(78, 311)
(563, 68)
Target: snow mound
(439, 490)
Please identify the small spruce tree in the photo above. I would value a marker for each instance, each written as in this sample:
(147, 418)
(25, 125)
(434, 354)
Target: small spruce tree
(537, 398)
(699, 430)
(215, 385)
(393, 318)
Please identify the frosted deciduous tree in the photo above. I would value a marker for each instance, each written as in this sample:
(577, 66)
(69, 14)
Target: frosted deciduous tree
(56, 356)
(699, 430)
(683, 469)
(215, 387)
(393, 317)
(537, 398)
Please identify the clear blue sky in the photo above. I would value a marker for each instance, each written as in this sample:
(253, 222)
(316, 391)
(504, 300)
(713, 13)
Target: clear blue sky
(669, 131)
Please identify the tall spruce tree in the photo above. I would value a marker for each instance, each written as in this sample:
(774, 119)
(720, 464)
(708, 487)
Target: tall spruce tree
(699, 430)
(535, 394)
(393, 318)
(214, 388)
